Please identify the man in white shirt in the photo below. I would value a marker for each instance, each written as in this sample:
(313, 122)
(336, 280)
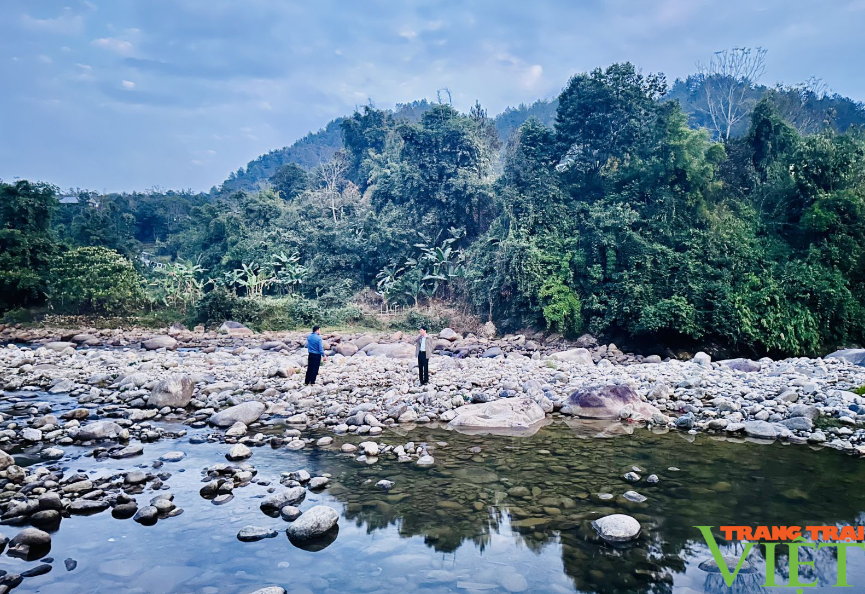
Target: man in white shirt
(423, 349)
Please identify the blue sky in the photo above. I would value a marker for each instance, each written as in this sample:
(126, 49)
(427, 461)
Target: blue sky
(131, 94)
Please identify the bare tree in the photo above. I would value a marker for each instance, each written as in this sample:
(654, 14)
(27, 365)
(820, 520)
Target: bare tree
(331, 176)
(801, 104)
(727, 79)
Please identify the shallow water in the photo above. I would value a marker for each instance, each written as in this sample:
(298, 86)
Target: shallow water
(455, 527)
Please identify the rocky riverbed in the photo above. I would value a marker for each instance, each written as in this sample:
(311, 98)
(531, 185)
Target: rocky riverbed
(113, 392)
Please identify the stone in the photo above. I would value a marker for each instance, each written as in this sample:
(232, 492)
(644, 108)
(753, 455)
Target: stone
(607, 402)
(276, 502)
(238, 452)
(59, 346)
(385, 485)
(289, 513)
(798, 424)
(580, 356)
(174, 391)
(172, 456)
(760, 430)
(393, 350)
(514, 414)
(254, 533)
(314, 522)
(370, 448)
(346, 349)
(87, 506)
(245, 412)
(147, 515)
(711, 566)
(30, 544)
(702, 359)
(270, 590)
(99, 430)
(854, 356)
(129, 451)
(235, 329)
(6, 460)
(324, 441)
(160, 342)
(617, 528)
(746, 365)
(317, 483)
(634, 497)
(30, 434)
(449, 334)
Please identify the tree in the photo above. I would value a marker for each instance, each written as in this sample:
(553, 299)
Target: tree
(94, 280)
(727, 80)
(290, 181)
(605, 116)
(27, 241)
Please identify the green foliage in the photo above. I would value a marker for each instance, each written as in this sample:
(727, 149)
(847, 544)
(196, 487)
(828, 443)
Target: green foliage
(561, 307)
(220, 305)
(19, 315)
(605, 212)
(27, 242)
(94, 279)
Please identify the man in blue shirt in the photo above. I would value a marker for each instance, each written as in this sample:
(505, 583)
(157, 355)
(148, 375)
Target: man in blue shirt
(315, 348)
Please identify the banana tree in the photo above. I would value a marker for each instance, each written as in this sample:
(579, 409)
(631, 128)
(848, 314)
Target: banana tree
(288, 271)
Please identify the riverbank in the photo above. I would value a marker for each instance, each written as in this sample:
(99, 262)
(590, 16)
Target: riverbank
(82, 409)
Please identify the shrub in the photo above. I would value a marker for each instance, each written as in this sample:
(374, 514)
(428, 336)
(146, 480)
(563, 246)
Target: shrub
(220, 305)
(94, 279)
(19, 315)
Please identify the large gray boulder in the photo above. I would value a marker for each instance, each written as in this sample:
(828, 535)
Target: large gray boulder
(245, 412)
(607, 402)
(234, 329)
(741, 364)
(617, 528)
(449, 334)
(515, 414)
(854, 356)
(760, 430)
(174, 391)
(313, 523)
(99, 430)
(579, 356)
(160, 342)
(391, 350)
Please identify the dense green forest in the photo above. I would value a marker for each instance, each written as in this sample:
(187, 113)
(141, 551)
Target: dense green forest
(620, 208)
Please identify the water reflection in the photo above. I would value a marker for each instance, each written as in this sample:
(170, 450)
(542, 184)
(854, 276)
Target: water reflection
(496, 514)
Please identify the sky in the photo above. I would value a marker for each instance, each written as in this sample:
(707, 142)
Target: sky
(126, 95)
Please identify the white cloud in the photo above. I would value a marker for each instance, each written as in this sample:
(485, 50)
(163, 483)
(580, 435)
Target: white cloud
(113, 44)
(128, 84)
(45, 59)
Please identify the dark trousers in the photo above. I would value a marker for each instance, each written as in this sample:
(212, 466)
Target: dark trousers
(312, 365)
(423, 368)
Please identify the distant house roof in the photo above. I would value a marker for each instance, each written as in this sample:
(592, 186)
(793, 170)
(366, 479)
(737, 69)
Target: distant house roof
(75, 200)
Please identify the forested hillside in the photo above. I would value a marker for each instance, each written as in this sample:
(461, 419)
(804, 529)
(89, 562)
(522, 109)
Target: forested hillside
(609, 210)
